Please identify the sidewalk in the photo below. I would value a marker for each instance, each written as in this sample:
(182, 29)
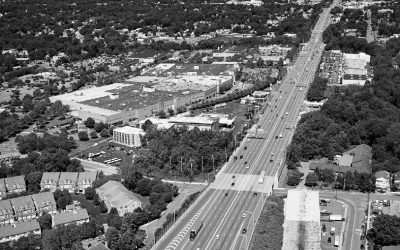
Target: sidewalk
(152, 226)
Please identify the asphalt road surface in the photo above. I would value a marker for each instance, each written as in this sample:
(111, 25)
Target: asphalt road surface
(235, 199)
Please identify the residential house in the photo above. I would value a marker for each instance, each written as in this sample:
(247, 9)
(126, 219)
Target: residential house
(49, 181)
(382, 181)
(20, 229)
(24, 208)
(85, 180)
(15, 184)
(6, 212)
(77, 216)
(114, 194)
(3, 189)
(68, 181)
(358, 159)
(45, 202)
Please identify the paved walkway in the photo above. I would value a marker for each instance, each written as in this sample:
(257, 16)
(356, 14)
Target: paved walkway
(305, 170)
(184, 191)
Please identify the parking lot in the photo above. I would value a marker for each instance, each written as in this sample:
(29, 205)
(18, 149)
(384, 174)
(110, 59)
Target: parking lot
(332, 227)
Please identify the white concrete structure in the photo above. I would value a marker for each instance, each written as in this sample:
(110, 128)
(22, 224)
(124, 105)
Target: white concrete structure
(302, 220)
(128, 136)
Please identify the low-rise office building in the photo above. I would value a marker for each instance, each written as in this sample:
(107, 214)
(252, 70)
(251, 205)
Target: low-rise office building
(128, 136)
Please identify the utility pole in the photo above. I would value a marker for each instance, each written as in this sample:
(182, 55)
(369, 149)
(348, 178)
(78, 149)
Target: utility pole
(181, 167)
(170, 166)
(202, 167)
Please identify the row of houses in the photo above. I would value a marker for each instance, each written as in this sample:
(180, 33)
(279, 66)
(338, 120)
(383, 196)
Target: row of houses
(26, 207)
(71, 181)
(18, 215)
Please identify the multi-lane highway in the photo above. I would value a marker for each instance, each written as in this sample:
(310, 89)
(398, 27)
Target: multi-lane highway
(230, 207)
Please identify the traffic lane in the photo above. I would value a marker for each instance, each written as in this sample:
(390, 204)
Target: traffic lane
(184, 220)
(210, 226)
(235, 216)
(238, 223)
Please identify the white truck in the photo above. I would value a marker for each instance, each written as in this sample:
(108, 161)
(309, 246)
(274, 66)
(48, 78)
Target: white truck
(335, 217)
(261, 177)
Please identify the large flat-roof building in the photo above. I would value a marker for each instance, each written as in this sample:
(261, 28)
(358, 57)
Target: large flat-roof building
(301, 227)
(166, 86)
(128, 136)
(355, 69)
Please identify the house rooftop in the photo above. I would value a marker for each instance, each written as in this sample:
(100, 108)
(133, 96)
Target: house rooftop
(382, 174)
(87, 176)
(43, 199)
(15, 180)
(68, 176)
(129, 130)
(50, 176)
(19, 228)
(5, 207)
(70, 216)
(22, 203)
(117, 194)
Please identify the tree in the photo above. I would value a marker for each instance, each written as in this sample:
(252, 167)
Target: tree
(102, 207)
(89, 122)
(83, 136)
(385, 231)
(90, 192)
(311, 180)
(105, 133)
(63, 198)
(33, 180)
(112, 238)
(113, 219)
(162, 114)
(294, 177)
(98, 127)
(147, 126)
(93, 134)
(171, 112)
(96, 200)
(45, 221)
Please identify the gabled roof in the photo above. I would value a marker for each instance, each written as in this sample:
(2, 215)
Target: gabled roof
(70, 216)
(5, 207)
(85, 176)
(14, 181)
(50, 176)
(22, 203)
(382, 174)
(64, 176)
(19, 228)
(117, 194)
(44, 199)
(362, 152)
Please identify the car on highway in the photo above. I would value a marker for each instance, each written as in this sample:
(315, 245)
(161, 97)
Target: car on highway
(276, 137)
(245, 147)
(280, 135)
(247, 166)
(244, 215)
(244, 231)
(226, 194)
(233, 184)
(287, 113)
(272, 154)
(245, 162)
(241, 157)
(233, 177)
(234, 158)
(255, 194)
(217, 236)
(258, 172)
(271, 160)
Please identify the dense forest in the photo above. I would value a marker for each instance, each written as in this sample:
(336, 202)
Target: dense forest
(84, 29)
(188, 151)
(367, 114)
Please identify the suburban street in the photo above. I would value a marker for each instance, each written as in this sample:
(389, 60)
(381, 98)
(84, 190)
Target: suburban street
(235, 199)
